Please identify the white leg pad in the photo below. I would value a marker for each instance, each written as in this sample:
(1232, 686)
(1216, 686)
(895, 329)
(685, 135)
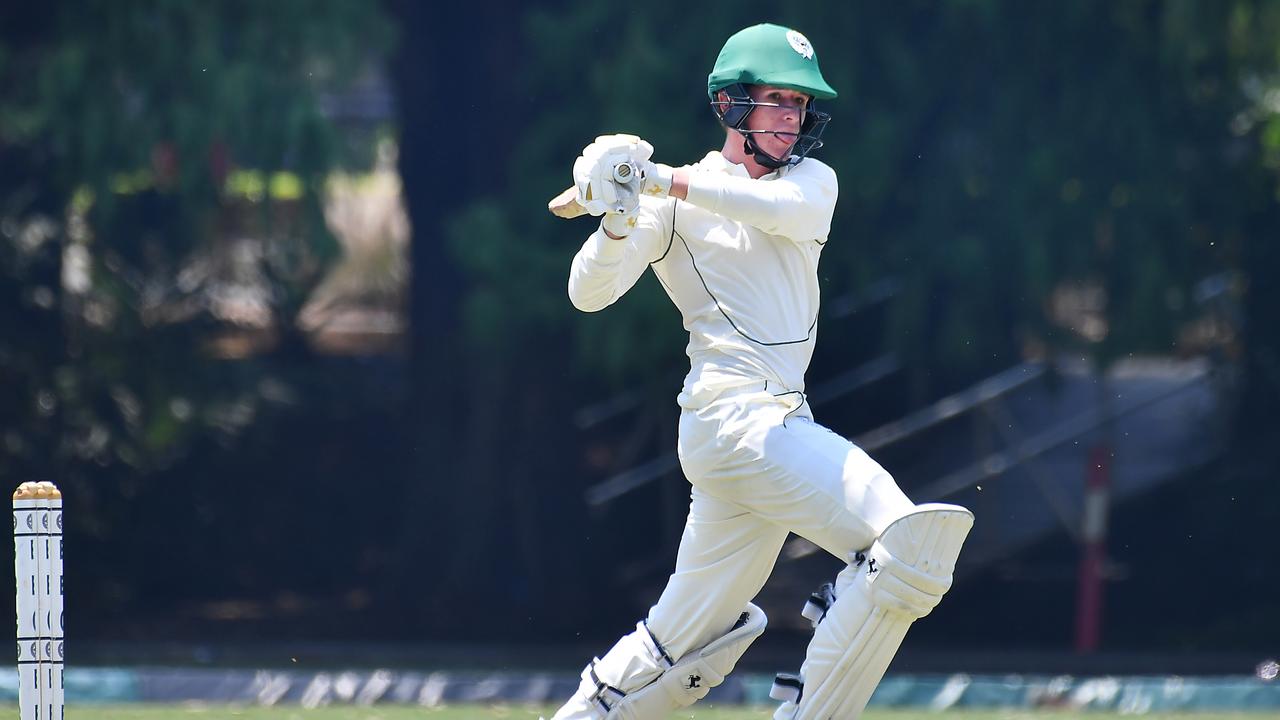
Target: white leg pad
(899, 580)
(632, 663)
(693, 676)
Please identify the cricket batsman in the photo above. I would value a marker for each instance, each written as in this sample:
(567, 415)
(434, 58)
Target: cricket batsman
(735, 241)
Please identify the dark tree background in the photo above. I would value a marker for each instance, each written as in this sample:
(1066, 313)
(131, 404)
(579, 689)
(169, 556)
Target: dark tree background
(229, 477)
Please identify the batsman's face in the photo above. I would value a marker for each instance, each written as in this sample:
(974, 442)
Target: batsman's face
(778, 118)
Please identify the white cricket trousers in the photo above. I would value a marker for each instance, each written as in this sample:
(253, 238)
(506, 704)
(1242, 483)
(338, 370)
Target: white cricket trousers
(760, 468)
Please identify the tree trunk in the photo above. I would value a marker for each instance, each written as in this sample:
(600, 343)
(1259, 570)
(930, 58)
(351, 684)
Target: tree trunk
(450, 76)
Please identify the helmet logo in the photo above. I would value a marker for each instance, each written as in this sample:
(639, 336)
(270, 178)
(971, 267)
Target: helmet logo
(800, 44)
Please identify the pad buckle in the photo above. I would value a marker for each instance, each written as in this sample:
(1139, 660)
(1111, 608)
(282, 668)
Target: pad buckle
(787, 688)
(818, 604)
(602, 689)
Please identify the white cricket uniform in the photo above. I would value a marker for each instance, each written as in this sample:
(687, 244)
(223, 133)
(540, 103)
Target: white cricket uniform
(739, 259)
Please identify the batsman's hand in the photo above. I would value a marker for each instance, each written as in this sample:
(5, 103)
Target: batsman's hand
(607, 175)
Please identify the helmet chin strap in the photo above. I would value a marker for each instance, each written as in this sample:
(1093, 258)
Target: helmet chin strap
(750, 147)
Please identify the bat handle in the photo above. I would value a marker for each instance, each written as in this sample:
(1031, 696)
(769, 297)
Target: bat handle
(624, 172)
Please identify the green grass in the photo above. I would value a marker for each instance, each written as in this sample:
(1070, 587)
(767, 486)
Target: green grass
(475, 712)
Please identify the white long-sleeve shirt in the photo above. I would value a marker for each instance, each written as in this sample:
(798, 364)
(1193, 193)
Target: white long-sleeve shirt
(739, 259)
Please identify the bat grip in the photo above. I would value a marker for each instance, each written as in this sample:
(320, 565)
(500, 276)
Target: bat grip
(624, 172)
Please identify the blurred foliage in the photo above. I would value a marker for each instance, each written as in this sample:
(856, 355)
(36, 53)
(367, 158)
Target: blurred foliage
(159, 117)
(164, 165)
(165, 162)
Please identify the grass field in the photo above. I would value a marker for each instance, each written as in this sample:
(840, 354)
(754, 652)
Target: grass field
(221, 712)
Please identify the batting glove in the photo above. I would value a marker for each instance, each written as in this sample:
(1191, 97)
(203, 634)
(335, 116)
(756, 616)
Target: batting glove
(607, 175)
(620, 225)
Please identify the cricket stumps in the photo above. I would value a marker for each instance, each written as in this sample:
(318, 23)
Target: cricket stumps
(37, 544)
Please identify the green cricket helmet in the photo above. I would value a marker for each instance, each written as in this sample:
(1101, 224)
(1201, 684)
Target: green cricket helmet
(768, 54)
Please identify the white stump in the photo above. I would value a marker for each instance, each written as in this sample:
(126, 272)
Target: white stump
(37, 543)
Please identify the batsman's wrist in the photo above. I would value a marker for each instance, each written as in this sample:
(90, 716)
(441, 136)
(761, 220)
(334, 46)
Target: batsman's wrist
(657, 179)
(680, 184)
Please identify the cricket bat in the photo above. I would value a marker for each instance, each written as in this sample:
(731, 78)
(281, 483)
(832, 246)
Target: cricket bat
(565, 205)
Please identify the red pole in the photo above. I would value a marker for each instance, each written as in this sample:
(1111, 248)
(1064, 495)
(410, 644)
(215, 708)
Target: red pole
(1089, 589)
